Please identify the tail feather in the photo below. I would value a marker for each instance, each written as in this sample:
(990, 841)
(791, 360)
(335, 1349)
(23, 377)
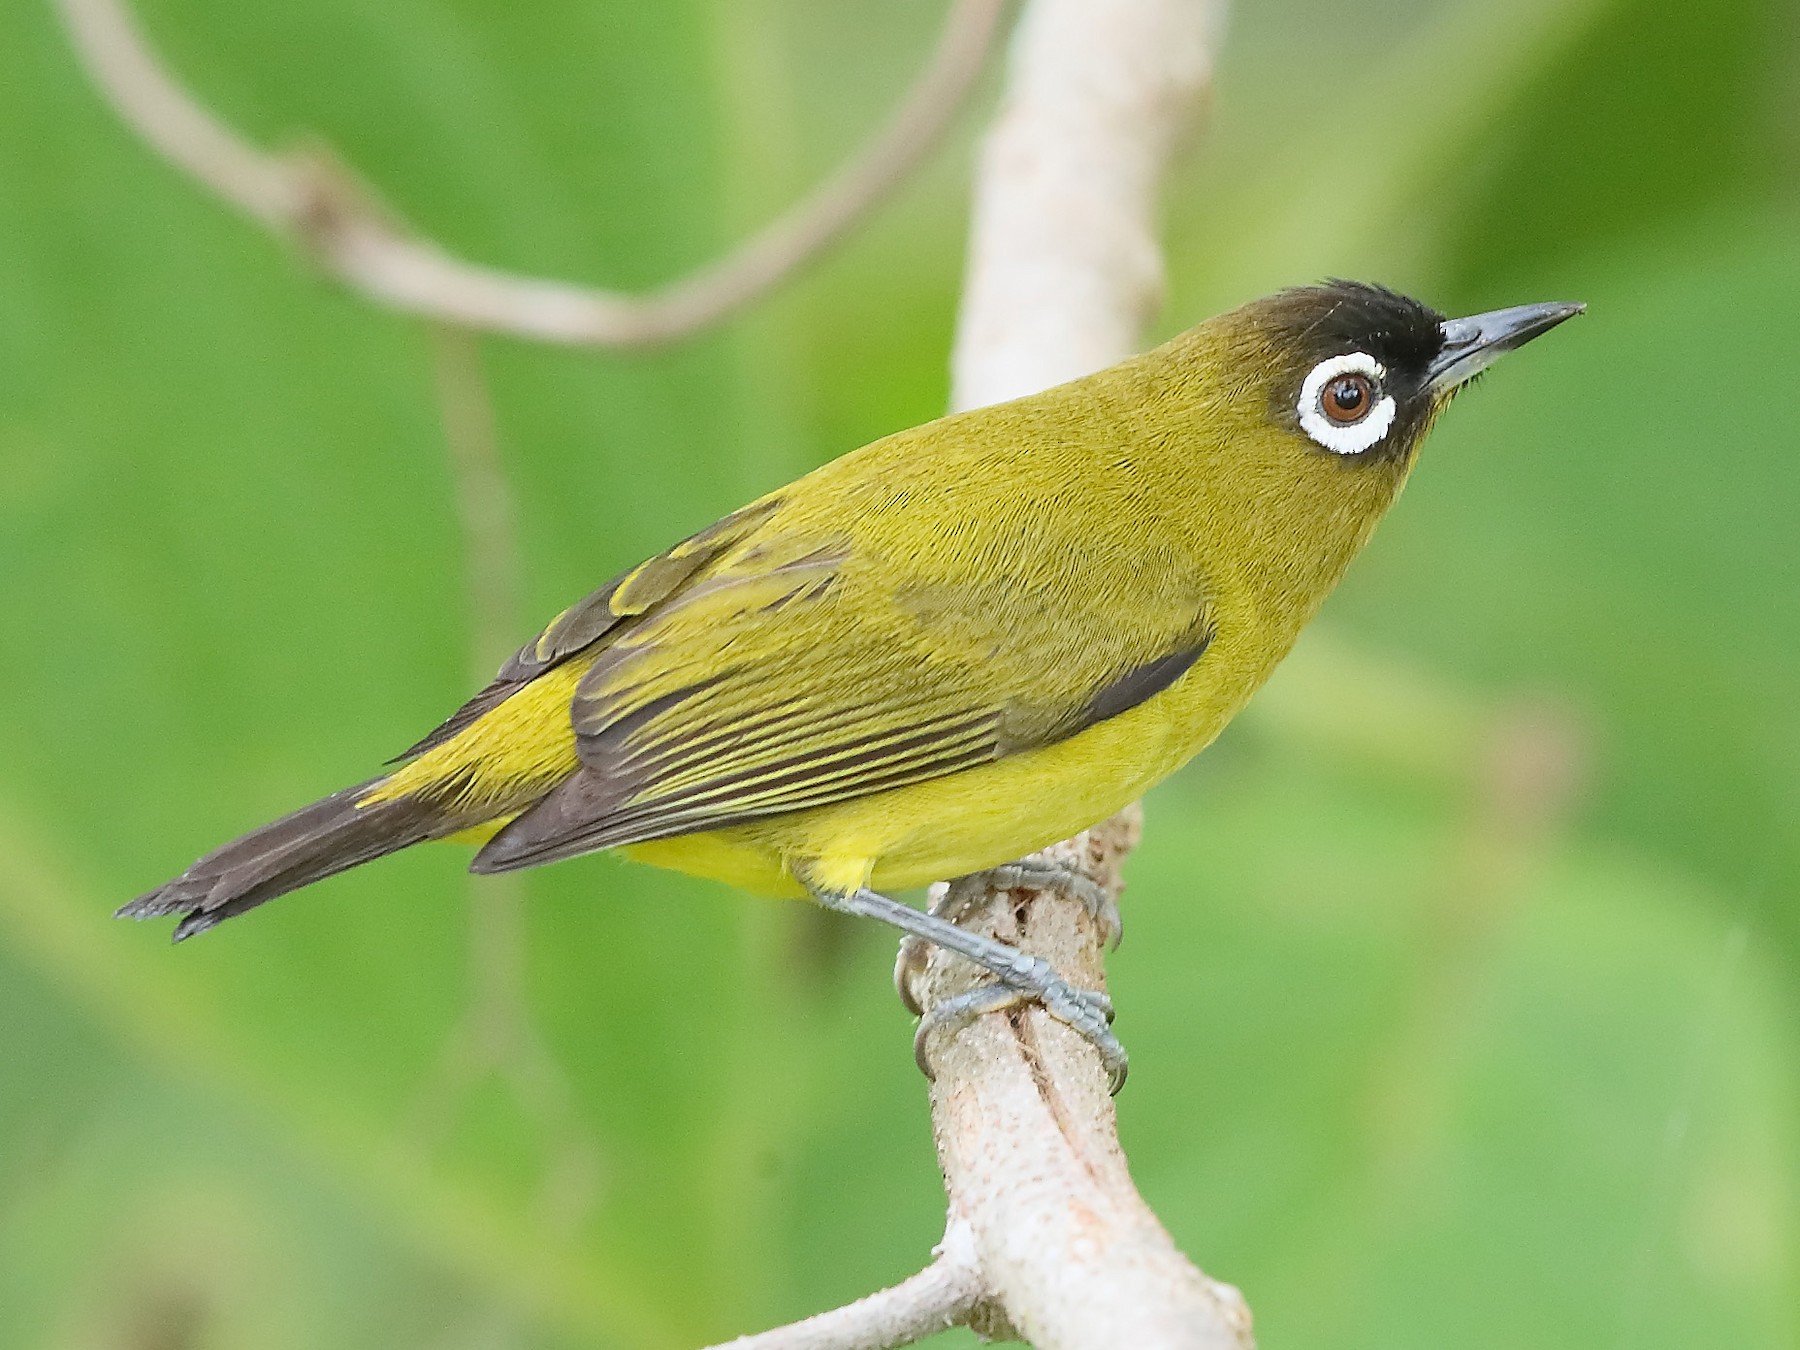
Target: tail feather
(314, 842)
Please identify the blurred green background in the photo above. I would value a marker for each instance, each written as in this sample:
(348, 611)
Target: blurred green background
(1460, 981)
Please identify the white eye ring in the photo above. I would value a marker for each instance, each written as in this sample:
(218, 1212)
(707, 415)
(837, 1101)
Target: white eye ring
(1338, 437)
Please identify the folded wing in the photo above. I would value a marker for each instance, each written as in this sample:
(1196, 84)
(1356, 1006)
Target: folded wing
(792, 671)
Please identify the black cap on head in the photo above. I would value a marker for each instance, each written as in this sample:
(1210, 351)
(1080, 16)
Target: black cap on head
(1351, 316)
(1361, 370)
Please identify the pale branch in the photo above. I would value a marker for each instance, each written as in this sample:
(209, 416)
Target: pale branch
(1065, 268)
(1071, 1256)
(307, 197)
(1064, 271)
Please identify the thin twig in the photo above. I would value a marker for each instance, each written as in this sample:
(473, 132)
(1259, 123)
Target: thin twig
(309, 198)
(485, 504)
(939, 1297)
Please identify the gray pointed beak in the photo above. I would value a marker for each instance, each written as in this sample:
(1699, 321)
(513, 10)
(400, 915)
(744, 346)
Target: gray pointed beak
(1473, 344)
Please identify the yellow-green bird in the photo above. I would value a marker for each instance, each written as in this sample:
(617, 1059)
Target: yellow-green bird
(940, 652)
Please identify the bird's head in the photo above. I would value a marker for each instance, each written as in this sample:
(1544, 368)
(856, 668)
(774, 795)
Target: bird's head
(1303, 412)
(1358, 373)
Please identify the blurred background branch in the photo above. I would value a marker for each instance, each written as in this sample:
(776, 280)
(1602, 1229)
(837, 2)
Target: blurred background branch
(312, 198)
(497, 1036)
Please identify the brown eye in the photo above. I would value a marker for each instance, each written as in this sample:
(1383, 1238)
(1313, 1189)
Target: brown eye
(1342, 406)
(1347, 398)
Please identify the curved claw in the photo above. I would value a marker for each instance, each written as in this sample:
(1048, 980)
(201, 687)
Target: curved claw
(1090, 1013)
(909, 964)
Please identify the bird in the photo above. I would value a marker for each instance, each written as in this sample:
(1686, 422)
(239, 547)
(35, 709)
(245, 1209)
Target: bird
(938, 653)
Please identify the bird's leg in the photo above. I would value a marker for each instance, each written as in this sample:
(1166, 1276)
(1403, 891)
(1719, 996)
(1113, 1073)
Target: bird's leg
(1028, 874)
(951, 903)
(1022, 978)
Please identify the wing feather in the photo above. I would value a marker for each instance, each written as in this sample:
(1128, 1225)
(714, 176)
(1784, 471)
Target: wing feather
(816, 697)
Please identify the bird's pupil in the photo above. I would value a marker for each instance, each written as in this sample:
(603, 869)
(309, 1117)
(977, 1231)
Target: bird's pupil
(1345, 399)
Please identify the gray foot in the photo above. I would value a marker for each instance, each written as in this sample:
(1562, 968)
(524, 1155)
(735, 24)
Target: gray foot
(1086, 1011)
(1021, 977)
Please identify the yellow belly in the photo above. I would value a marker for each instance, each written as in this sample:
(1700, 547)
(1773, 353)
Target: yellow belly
(927, 832)
(977, 818)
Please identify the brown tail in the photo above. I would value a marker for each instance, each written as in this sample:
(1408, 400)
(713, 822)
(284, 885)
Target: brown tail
(314, 842)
